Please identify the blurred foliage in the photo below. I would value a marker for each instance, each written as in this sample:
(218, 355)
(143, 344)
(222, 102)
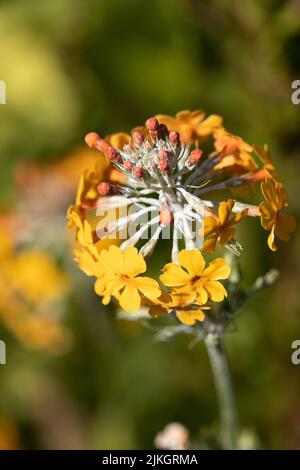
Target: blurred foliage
(72, 66)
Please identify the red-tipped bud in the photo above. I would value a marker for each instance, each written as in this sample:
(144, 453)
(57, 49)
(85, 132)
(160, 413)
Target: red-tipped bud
(105, 189)
(165, 216)
(128, 165)
(152, 124)
(174, 137)
(195, 156)
(164, 160)
(138, 138)
(138, 172)
(91, 139)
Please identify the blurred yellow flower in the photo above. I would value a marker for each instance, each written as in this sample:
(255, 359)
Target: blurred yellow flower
(32, 274)
(30, 286)
(120, 278)
(191, 276)
(276, 199)
(191, 125)
(221, 229)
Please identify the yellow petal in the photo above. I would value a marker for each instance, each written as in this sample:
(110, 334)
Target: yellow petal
(149, 287)
(224, 210)
(192, 261)
(267, 216)
(112, 259)
(217, 269)
(174, 275)
(216, 291)
(202, 296)
(85, 261)
(130, 300)
(209, 245)
(238, 217)
(189, 317)
(119, 139)
(211, 224)
(271, 240)
(134, 262)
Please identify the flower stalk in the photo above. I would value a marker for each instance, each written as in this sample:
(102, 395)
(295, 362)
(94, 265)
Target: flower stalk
(224, 389)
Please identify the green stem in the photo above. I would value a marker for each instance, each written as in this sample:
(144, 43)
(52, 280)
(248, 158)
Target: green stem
(223, 384)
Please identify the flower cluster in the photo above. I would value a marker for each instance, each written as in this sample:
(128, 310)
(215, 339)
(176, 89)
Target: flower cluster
(164, 171)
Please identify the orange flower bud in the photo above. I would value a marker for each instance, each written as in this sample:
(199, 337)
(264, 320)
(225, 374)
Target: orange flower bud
(165, 216)
(104, 189)
(91, 139)
(152, 124)
(195, 156)
(138, 172)
(174, 137)
(138, 138)
(128, 166)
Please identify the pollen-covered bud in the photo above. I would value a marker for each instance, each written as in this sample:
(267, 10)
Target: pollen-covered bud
(164, 160)
(195, 156)
(138, 172)
(138, 138)
(106, 189)
(174, 137)
(152, 124)
(165, 216)
(128, 165)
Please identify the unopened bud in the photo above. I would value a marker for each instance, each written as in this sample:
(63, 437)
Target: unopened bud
(174, 137)
(91, 139)
(138, 172)
(163, 160)
(138, 138)
(105, 189)
(165, 216)
(128, 165)
(152, 124)
(195, 156)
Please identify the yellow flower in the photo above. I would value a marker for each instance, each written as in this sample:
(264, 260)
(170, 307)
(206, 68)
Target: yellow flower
(191, 276)
(186, 311)
(276, 199)
(191, 125)
(120, 278)
(221, 229)
(233, 151)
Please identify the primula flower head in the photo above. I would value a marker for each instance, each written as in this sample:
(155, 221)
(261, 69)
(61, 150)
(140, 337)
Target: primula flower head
(175, 188)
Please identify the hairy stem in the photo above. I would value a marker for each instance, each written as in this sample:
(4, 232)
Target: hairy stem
(223, 384)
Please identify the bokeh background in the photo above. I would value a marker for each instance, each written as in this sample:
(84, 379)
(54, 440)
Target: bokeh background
(76, 377)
